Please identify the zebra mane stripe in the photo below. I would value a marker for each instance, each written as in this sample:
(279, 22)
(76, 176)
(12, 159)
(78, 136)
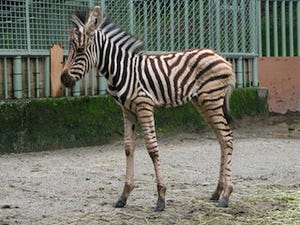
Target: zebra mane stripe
(82, 15)
(108, 26)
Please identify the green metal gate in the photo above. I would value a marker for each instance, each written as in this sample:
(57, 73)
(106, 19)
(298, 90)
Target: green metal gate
(279, 22)
(29, 27)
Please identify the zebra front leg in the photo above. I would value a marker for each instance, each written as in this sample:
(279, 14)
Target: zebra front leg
(129, 145)
(145, 116)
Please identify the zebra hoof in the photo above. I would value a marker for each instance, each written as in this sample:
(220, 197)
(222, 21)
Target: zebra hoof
(214, 198)
(223, 204)
(120, 203)
(160, 206)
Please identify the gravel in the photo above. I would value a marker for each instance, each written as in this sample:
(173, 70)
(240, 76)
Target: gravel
(79, 186)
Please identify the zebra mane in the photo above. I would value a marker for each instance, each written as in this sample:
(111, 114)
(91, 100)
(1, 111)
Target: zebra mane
(82, 15)
(109, 26)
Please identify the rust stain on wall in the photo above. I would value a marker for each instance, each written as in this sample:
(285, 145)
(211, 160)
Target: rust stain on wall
(281, 75)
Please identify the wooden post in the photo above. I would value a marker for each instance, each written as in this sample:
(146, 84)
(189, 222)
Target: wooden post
(56, 61)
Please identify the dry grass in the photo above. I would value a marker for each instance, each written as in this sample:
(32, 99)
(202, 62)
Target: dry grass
(263, 205)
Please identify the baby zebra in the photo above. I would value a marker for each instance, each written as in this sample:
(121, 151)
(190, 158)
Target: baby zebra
(139, 82)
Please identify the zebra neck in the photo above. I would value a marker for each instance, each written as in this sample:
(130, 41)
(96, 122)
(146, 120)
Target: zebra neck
(121, 76)
(118, 48)
(117, 51)
(116, 65)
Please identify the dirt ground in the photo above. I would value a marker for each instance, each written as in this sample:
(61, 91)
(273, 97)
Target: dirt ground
(79, 186)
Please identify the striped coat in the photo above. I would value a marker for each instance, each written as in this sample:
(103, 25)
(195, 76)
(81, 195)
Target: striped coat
(140, 82)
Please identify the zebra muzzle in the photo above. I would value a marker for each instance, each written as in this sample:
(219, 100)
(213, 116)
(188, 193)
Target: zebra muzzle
(67, 80)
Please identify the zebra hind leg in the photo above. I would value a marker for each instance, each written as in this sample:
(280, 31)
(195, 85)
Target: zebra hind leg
(214, 115)
(145, 115)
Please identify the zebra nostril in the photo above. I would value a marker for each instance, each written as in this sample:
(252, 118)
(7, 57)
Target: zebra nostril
(67, 80)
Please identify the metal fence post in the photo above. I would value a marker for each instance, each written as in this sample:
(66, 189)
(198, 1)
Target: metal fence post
(17, 77)
(158, 21)
(76, 89)
(201, 19)
(37, 78)
(259, 27)
(267, 27)
(91, 4)
(243, 25)
(239, 72)
(283, 33)
(186, 24)
(28, 78)
(85, 81)
(226, 31)
(275, 28)
(145, 12)
(47, 77)
(103, 6)
(298, 28)
(172, 24)
(211, 18)
(131, 12)
(101, 84)
(28, 26)
(5, 78)
(218, 26)
(235, 26)
(255, 73)
(291, 29)
(255, 34)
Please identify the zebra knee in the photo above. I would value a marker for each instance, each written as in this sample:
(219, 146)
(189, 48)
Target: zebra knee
(153, 155)
(128, 149)
(128, 187)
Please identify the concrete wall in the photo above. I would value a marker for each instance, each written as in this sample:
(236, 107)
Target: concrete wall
(53, 123)
(281, 75)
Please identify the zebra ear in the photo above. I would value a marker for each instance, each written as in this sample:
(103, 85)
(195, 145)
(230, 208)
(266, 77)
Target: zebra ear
(95, 19)
(76, 21)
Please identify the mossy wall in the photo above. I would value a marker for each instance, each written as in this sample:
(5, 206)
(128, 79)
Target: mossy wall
(45, 124)
(249, 102)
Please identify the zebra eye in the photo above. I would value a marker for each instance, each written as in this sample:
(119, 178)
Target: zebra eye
(79, 50)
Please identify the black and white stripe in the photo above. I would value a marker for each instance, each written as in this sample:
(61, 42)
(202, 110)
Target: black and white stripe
(140, 82)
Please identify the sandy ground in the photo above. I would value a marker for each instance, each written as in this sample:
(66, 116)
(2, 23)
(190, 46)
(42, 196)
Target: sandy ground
(79, 186)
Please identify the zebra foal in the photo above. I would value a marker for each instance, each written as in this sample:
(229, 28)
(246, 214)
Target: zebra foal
(140, 82)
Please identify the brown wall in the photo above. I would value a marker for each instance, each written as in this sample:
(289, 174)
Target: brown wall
(281, 75)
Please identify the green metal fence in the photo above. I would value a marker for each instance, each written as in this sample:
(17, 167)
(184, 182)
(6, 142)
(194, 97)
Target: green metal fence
(226, 25)
(280, 28)
(29, 27)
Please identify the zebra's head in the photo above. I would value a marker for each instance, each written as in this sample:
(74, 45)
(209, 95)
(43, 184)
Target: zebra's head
(80, 42)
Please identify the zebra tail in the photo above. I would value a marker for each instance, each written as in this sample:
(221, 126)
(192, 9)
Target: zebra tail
(226, 108)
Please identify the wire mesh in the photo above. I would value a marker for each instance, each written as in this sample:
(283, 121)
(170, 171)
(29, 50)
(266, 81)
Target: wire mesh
(33, 25)
(228, 26)
(29, 27)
